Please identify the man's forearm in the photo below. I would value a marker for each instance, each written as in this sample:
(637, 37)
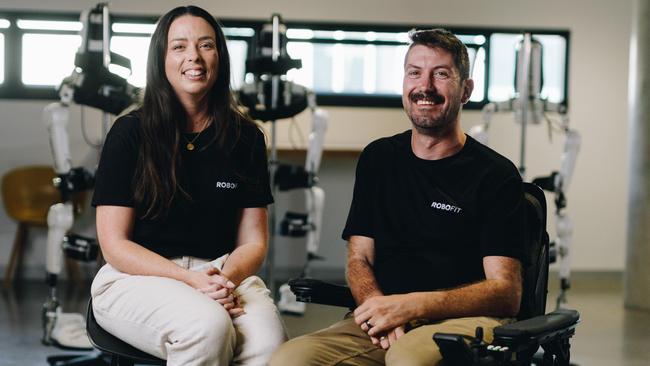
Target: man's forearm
(494, 297)
(361, 280)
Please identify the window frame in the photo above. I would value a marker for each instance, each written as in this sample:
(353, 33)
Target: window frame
(12, 87)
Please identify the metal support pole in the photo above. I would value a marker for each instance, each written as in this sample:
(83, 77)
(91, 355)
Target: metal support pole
(524, 98)
(637, 271)
(273, 163)
(106, 59)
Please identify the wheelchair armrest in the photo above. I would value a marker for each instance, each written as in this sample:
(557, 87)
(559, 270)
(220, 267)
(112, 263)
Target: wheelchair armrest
(539, 330)
(523, 338)
(321, 292)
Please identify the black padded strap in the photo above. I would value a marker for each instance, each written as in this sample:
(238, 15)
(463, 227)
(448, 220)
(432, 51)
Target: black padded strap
(539, 325)
(321, 292)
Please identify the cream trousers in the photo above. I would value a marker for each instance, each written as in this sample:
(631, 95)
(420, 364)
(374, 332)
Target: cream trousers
(173, 321)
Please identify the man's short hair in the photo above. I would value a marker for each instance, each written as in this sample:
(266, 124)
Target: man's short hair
(446, 40)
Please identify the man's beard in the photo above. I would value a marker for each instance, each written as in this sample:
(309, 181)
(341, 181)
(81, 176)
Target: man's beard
(434, 125)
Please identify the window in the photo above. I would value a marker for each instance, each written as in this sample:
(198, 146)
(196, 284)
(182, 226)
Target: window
(477, 72)
(132, 40)
(352, 63)
(4, 24)
(334, 62)
(238, 51)
(345, 64)
(47, 58)
(349, 64)
(348, 68)
(2, 58)
(502, 68)
(135, 48)
(46, 48)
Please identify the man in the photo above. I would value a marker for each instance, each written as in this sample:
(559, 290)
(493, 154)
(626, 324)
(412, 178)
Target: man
(435, 229)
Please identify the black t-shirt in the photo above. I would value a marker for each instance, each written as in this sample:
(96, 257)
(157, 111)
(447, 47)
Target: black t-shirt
(433, 221)
(204, 226)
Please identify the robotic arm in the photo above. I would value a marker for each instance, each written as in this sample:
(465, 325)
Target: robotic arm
(290, 177)
(60, 215)
(314, 195)
(558, 183)
(529, 107)
(569, 157)
(309, 224)
(56, 117)
(271, 97)
(319, 120)
(92, 84)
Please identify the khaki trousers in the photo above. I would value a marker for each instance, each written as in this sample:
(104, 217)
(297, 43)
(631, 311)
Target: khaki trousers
(344, 343)
(173, 321)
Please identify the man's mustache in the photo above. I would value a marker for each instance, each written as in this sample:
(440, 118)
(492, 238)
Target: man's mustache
(427, 95)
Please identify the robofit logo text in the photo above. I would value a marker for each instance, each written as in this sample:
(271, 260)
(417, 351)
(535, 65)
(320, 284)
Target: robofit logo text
(227, 185)
(446, 207)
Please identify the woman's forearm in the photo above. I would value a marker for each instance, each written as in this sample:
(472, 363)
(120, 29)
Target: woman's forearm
(244, 262)
(132, 258)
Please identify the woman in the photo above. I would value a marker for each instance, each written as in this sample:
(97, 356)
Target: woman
(181, 181)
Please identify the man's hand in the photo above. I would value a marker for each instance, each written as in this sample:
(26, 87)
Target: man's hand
(386, 341)
(380, 315)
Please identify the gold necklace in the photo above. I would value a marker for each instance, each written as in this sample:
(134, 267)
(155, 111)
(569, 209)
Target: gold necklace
(190, 143)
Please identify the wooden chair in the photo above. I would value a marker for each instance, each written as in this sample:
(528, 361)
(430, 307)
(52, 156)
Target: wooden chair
(27, 194)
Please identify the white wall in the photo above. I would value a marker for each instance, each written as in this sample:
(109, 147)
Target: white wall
(598, 72)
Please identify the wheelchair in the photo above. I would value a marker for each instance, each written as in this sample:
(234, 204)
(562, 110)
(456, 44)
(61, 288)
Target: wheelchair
(514, 344)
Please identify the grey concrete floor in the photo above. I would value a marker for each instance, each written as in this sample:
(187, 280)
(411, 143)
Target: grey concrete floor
(609, 334)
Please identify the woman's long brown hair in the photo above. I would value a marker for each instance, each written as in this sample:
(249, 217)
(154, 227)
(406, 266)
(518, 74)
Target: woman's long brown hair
(163, 119)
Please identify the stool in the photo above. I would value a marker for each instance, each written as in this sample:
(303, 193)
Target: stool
(120, 352)
(28, 193)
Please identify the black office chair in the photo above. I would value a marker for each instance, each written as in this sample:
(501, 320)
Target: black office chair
(514, 344)
(119, 352)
